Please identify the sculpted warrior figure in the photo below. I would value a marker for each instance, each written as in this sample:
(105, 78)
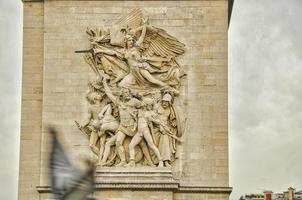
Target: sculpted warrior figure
(145, 116)
(133, 57)
(92, 121)
(108, 124)
(168, 131)
(128, 108)
(99, 120)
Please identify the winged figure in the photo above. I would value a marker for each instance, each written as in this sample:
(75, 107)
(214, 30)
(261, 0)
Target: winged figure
(137, 55)
(68, 182)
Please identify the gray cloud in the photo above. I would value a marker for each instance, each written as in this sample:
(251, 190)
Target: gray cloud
(265, 92)
(10, 80)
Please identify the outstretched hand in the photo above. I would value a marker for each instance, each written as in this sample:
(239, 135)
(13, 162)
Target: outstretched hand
(145, 21)
(78, 125)
(104, 75)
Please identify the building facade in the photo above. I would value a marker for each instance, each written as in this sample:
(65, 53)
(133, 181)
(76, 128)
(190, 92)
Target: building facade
(187, 68)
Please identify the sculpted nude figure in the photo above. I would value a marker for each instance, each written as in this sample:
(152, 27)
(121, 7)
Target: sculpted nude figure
(108, 124)
(145, 116)
(92, 120)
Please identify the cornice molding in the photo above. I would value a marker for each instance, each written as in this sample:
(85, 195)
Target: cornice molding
(106, 0)
(24, 1)
(153, 187)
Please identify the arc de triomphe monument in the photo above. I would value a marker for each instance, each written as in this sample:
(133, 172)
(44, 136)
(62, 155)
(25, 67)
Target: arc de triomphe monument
(139, 87)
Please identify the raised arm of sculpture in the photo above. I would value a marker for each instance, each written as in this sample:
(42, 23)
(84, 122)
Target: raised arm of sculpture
(88, 118)
(143, 34)
(109, 92)
(105, 51)
(106, 109)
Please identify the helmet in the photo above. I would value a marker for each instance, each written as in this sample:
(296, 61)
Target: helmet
(167, 97)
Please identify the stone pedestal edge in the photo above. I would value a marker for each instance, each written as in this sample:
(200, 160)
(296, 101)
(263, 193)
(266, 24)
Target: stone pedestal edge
(105, 0)
(173, 187)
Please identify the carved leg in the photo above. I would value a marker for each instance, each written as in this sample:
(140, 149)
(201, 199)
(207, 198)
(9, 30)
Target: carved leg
(92, 142)
(102, 145)
(134, 142)
(146, 152)
(120, 137)
(106, 153)
(119, 77)
(112, 126)
(151, 144)
(151, 79)
(126, 81)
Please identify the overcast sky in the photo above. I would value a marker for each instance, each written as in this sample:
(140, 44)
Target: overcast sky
(265, 93)
(10, 95)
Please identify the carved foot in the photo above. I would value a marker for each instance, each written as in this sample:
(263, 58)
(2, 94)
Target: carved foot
(95, 150)
(131, 164)
(101, 164)
(151, 164)
(121, 164)
(160, 164)
(166, 163)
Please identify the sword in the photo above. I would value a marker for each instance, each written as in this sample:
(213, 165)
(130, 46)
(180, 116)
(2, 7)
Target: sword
(84, 51)
(168, 132)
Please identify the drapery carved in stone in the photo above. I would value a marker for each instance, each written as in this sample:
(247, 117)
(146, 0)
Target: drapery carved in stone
(132, 118)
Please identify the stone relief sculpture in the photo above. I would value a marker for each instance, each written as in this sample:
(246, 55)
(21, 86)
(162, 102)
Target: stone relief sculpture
(131, 116)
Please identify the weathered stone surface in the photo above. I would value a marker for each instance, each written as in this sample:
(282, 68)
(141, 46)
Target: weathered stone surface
(32, 90)
(55, 82)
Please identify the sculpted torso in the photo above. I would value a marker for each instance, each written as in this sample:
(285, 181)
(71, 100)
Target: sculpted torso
(132, 56)
(128, 112)
(95, 109)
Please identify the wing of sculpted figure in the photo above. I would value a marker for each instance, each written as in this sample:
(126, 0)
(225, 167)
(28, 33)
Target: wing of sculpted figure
(131, 20)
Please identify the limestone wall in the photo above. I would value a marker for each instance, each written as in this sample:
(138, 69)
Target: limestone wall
(31, 111)
(53, 30)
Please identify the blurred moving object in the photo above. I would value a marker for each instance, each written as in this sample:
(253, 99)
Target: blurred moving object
(67, 181)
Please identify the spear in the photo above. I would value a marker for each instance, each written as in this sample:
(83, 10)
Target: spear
(84, 51)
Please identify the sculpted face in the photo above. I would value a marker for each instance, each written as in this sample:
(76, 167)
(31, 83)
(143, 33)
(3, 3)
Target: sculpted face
(126, 95)
(130, 42)
(148, 102)
(165, 104)
(156, 95)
